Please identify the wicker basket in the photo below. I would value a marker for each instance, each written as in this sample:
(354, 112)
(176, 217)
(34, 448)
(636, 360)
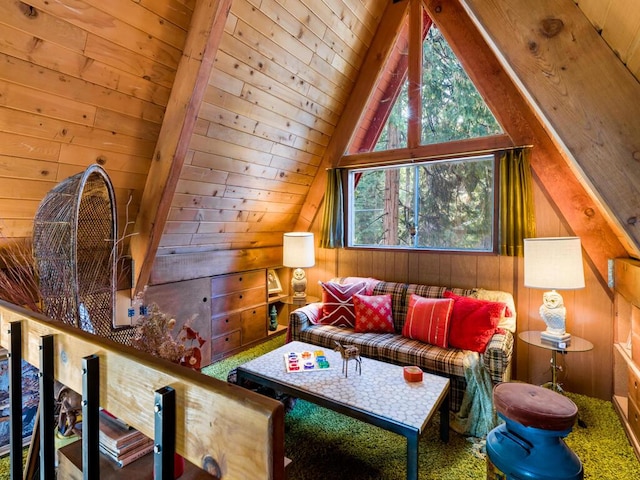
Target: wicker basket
(74, 245)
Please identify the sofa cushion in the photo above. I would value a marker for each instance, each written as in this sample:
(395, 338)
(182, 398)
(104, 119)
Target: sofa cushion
(508, 320)
(428, 320)
(473, 322)
(337, 303)
(373, 313)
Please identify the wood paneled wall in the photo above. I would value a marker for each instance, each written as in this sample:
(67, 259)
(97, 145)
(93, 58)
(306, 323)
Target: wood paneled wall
(80, 83)
(589, 311)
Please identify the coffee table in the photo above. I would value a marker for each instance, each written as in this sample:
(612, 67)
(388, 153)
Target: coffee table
(380, 396)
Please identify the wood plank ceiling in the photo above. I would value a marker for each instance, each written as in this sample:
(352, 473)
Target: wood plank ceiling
(85, 81)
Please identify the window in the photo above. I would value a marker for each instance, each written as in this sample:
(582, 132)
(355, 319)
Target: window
(440, 205)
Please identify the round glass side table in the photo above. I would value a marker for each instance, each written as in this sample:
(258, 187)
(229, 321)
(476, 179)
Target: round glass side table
(575, 344)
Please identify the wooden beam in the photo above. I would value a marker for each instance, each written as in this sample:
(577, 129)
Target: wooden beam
(205, 32)
(517, 116)
(414, 124)
(239, 429)
(435, 151)
(584, 96)
(175, 268)
(375, 60)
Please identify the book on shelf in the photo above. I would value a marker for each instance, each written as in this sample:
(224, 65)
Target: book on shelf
(120, 442)
(131, 456)
(114, 433)
(127, 447)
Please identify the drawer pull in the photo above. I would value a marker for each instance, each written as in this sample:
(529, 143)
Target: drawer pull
(226, 320)
(240, 279)
(226, 339)
(240, 296)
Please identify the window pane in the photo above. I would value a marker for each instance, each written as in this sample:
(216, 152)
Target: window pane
(394, 133)
(456, 205)
(382, 212)
(452, 108)
(454, 201)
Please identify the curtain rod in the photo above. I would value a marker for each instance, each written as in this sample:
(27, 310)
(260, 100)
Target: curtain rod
(427, 157)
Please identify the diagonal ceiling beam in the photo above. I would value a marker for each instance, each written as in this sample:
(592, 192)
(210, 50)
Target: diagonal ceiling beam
(518, 117)
(203, 39)
(381, 46)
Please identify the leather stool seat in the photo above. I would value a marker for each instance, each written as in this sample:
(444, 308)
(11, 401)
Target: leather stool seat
(534, 406)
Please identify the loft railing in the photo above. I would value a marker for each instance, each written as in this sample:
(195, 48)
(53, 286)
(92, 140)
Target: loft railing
(218, 426)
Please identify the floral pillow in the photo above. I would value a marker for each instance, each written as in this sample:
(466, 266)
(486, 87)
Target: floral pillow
(373, 313)
(428, 320)
(337, 303)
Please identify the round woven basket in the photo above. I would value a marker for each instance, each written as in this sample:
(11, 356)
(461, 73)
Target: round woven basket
(74, 245)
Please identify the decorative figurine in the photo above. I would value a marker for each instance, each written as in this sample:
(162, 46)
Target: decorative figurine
(273, 318)
(349, 352)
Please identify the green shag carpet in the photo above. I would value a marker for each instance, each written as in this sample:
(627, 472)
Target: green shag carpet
(327, 445)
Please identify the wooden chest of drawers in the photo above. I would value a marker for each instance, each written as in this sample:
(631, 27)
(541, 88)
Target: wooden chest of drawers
(238, 311)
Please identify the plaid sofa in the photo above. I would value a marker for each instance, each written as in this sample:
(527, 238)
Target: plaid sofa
(394, 348)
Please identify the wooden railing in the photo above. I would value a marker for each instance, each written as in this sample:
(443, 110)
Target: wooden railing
(216, 423)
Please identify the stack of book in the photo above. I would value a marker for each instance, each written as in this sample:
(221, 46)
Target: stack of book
(120, 442)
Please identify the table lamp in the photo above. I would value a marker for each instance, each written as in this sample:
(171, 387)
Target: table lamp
(298, 252)
(553, 263)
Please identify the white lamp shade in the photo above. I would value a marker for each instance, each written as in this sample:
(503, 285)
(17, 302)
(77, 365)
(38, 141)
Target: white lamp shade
(298, 250)
(553, 263)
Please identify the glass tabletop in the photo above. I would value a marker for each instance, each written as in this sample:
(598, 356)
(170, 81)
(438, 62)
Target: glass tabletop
(575, 344)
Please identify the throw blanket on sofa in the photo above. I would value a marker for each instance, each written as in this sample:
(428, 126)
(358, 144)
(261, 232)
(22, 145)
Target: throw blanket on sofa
(476, 416)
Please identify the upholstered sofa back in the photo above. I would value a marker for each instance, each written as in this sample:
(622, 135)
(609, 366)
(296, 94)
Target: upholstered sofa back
(401, 292)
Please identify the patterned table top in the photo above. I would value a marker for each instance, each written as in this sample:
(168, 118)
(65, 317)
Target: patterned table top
(381, 389)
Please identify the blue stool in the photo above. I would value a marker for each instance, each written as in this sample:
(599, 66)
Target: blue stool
(530, 445)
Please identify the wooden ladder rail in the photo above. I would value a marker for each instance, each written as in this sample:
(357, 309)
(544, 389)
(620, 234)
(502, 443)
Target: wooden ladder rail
(240, 431)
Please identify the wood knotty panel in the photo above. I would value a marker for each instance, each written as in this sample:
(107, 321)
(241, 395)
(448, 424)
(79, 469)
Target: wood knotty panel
(243, 431)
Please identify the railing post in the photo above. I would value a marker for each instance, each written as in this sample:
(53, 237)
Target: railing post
(90, 417)
(15, 399)
(164, 433)
(47, 410)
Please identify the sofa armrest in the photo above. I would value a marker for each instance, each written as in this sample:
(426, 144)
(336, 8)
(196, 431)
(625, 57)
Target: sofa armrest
(497, 356)
(301, 318)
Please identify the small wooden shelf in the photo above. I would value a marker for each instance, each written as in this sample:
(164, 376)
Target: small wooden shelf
(278, 297)
(281, 329)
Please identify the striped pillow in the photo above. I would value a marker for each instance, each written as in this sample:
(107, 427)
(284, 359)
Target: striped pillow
(337, 303)
(428, 320)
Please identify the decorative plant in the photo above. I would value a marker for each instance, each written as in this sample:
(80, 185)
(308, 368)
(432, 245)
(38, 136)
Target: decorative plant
(154, 335)
(18, 276)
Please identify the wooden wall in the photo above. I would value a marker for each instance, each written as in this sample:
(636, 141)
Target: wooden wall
(589, 311)
(80, 83)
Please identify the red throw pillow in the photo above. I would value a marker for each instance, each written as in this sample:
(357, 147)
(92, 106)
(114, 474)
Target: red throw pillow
(337, 303)
(473, 322)
(428, 320)
(373, 313)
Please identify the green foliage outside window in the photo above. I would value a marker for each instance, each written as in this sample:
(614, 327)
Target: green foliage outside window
(445, 205)
(452, 108)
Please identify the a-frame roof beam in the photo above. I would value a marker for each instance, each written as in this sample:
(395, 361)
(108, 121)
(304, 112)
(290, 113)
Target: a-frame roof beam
(518, 119)
(205, 32)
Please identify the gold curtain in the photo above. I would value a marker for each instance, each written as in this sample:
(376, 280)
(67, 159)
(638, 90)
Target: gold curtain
(332, 229)
(517, 215)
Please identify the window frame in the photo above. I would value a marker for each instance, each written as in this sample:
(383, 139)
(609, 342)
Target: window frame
(402, 162)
